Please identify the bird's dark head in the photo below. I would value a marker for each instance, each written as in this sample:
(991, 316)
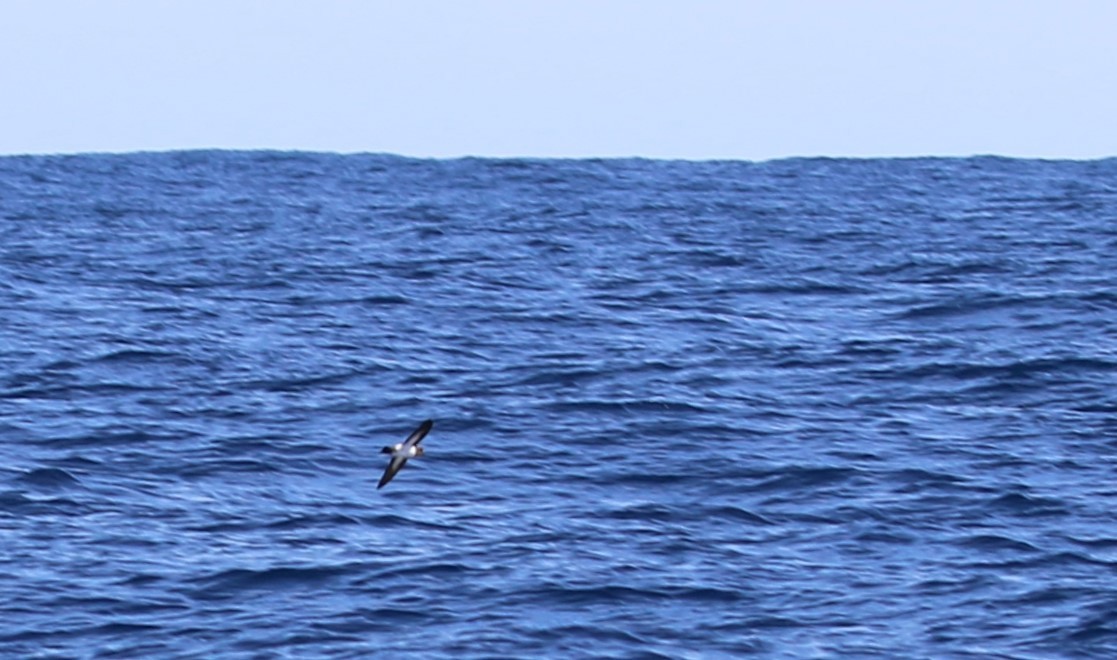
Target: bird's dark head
(387, 450)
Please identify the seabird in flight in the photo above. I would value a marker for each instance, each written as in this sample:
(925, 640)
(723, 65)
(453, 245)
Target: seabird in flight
(402, 451)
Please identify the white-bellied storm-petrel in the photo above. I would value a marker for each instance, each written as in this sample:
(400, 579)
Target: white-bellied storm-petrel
(402, 451)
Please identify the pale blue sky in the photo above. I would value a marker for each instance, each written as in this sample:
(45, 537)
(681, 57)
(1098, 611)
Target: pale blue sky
(678, 79)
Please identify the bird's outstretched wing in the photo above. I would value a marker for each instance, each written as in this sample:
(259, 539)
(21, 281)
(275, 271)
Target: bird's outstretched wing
(418, 434)
(394, 466)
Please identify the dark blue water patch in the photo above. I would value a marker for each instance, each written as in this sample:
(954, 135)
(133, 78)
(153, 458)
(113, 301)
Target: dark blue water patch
(49, 478)
(237, 583)
(995, 543)
(802, 408)
(1020, 504)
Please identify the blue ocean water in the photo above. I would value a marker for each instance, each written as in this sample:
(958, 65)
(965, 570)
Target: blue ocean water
(802, 408)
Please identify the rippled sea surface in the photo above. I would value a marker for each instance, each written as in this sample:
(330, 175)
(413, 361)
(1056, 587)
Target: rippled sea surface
(803, 408)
